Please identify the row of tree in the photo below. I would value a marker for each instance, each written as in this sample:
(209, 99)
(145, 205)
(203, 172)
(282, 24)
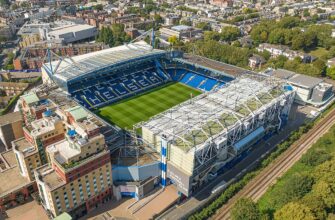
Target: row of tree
(113, 36)
(227, 34)
(293, 32)
(307, 192)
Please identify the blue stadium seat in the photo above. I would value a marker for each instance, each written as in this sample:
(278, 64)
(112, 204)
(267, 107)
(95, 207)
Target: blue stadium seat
(186, 77)
(208, 85)
(196, 80)
(119, 89)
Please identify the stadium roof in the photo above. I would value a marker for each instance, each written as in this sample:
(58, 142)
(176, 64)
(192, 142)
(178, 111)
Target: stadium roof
(70, 68)
(206, 117)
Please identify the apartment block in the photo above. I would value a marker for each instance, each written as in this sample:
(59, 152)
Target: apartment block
(11, 128)
(78, 176)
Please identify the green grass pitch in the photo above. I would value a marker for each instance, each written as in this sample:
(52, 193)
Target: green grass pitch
(141, 107)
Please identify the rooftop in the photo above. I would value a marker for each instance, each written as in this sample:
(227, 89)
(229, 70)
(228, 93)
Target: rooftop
(65, 149)
(43, 125)
(83, 64)
(10, 118)
(207, 116)
(216, 65)
(30, 98)
(283, 74)
(10, 178)
(48, 175)
(305, 81)
(25, 147)
(70, 28)
(78, 113)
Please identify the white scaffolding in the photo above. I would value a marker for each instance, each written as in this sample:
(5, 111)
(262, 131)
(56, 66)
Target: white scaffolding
(226, 114)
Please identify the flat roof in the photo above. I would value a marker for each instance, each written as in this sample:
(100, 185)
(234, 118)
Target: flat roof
(50, 177)
(305, 81)
(25, 147)
(10, 178)
(83, 64)
(216, 65)
(78, 112)
(66, 151)
(283, 74)
(10, 118)
(71, 28)
(30, 98)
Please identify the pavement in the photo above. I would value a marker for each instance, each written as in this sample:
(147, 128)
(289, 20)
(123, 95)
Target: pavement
(297, 118)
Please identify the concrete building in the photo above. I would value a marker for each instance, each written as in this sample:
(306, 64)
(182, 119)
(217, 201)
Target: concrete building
(73, 33)
(182, 32)
(311, 90)
(15, 189)
(11, 128)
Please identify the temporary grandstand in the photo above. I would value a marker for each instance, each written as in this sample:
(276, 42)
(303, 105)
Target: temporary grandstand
(205, 132)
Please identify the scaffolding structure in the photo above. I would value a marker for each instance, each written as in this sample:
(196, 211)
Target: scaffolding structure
(209, 125)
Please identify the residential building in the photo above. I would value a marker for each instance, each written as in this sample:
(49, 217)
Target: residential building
(256, 61)
(78, 176)
(277, 50)
(11, 128)
(15, 189)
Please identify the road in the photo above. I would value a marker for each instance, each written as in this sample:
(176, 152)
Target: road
(258, 186)
(204, 194)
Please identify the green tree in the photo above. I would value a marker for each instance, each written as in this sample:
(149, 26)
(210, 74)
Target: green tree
(106, 36)
(320, 65)
(298, 42)
(4, 3)
(158, 19)
(316, 205)
(331, 72)
(205, 26)
(98, 7)
(326, 191)
(245, 209)
(230, 33)
(185, 22)
(315, 157)
(173, 40)
(294, 210)
(212, 35)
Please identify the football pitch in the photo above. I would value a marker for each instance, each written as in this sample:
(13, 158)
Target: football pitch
(128, 112)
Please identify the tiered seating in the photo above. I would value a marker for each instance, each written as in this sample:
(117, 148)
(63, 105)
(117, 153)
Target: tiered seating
(196, 80)
(186, 77)
(116, 87)
(106, 93)
(119, 89)
(208, 85)
(153, 77)
(91, 97)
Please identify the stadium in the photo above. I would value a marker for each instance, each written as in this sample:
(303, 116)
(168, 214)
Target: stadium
(198, 115)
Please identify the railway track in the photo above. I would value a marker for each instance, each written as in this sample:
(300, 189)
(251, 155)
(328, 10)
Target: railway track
(257, 187)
